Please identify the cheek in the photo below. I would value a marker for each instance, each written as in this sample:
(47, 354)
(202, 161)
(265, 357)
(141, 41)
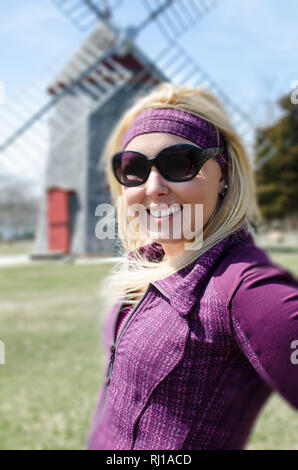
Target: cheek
(210, 194)
(131, 195)
(201, 192)
(195, 191)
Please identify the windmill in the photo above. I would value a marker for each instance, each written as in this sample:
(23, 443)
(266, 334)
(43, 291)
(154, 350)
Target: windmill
(89, 92)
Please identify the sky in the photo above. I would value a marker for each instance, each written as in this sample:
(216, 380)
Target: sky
(248, 48)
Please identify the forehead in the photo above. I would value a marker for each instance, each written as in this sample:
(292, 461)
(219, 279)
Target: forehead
(152, 142)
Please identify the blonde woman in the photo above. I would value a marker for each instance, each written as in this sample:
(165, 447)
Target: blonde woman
(202, 327)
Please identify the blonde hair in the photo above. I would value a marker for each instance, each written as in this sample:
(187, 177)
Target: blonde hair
(238, 207)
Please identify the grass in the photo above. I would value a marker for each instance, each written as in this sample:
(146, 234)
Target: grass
(19, 247)
(51, 326)
(287, 257)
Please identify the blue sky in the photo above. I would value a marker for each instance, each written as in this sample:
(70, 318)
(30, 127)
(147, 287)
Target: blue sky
(248, 48)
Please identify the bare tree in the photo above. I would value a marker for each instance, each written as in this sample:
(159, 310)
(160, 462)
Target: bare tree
(18, 209)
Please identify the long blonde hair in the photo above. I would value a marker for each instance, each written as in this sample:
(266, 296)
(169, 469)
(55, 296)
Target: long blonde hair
(238, 207)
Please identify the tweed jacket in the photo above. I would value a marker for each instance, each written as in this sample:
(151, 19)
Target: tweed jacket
(199, 355)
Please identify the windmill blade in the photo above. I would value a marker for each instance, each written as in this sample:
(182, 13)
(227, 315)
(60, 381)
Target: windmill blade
(268, 149)
(181, 16)
(85, 14)
(181, 68)
(104, 47)
(16, 115)
(97, 70)
(23, 122)
(176, 20)
(71, 6)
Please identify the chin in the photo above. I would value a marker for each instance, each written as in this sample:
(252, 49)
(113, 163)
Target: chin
(166, 241)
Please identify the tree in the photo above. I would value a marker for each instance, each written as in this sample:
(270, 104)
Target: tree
(277, 179)
(18, 209)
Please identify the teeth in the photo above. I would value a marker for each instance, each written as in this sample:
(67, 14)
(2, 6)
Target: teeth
(165, 213)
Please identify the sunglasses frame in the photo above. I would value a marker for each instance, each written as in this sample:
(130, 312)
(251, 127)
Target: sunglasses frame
(204, 154)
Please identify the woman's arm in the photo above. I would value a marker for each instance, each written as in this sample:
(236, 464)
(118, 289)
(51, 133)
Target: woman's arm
(263, 315)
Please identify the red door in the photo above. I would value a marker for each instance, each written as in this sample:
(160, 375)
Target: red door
(58, 215)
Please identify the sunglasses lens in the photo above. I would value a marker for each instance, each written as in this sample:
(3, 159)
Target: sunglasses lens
(175, 163)
(179, 163)
(130, 168)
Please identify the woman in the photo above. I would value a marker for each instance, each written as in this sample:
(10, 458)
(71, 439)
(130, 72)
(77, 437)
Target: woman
(199, 334)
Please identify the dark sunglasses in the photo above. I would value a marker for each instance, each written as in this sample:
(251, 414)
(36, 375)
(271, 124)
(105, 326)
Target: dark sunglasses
(177, 163)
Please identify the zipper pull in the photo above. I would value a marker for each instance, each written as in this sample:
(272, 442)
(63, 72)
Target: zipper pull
(112, 358)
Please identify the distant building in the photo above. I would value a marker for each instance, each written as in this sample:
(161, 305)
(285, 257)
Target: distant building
(79, 125)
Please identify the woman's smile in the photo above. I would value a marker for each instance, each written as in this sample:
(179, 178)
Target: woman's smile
(161, 212)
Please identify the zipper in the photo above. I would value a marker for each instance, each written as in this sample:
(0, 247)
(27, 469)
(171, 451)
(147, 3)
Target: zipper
(116, 342)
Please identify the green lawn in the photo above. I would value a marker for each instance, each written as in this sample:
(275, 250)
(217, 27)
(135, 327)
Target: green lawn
(51, 326)
(18, 247)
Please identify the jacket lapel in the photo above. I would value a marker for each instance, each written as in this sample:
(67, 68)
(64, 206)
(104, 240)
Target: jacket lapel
(184, 287)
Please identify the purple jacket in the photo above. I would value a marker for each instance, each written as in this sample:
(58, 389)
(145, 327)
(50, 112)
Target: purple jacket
(200, 354)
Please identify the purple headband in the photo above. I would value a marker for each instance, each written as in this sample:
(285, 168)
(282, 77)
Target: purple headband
(178, 122)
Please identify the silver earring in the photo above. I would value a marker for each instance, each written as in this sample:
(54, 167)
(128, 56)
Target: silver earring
(223, 192)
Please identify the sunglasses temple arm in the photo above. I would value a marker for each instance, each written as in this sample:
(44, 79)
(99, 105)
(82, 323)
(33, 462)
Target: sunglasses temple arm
(213, 152)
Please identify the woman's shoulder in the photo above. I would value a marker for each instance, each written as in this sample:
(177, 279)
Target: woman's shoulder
(246, 269)
(262, 317)
(261, 300)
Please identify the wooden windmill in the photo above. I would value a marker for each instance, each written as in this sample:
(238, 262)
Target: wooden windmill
(85, 99)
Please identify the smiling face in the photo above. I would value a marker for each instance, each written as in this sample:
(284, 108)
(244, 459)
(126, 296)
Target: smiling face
(203, 189)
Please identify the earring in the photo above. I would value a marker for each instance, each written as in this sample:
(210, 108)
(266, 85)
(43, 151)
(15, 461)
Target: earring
(223, 192)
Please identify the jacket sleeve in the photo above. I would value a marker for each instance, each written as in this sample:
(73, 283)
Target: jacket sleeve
(263, 316)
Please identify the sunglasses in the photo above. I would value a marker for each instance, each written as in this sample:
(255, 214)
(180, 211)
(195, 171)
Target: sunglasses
(177, 163)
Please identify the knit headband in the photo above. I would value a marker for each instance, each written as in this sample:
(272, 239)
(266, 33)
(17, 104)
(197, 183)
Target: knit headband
(178, 122)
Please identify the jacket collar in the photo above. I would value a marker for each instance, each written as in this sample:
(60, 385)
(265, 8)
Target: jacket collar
(184, 287)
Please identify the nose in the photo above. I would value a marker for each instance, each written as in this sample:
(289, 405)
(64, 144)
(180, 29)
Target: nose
(156, 184)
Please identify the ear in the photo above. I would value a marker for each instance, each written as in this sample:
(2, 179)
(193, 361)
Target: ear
(221, 185)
